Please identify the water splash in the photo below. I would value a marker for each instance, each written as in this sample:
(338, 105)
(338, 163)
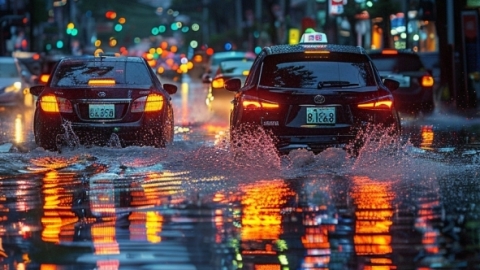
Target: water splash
(254, 144)
(379, 144)
(114, 141)
(69, 138)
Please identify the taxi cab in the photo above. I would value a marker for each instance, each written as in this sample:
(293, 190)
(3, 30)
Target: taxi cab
(313, 95)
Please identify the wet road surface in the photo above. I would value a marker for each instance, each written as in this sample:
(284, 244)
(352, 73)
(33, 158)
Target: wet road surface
(200, 204)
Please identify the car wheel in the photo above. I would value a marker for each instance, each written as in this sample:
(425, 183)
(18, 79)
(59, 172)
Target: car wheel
(46, 137)
(161, 136)
(168, 130)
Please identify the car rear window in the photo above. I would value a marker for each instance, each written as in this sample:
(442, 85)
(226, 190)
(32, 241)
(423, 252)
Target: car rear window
(397, 62)
(235, 67)
(299, 70)
(77, 73)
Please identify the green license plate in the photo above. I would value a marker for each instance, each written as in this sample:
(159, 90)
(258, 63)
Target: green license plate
(321, 115)
(101, 111)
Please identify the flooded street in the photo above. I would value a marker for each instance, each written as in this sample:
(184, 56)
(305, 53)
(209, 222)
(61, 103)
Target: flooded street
(203, 204)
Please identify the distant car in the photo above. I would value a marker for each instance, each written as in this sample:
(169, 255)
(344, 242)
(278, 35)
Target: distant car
(227, 70)
(415, 94)
(14, 83)
(219, 57)
(312, 95)
(48, 63)
(99, 98)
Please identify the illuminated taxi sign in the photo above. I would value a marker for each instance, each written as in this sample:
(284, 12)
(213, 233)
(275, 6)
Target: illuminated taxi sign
(311, 36)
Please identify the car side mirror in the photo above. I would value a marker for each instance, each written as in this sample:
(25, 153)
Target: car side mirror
(206, 78)
(392, 85)
(36, 90)
(170, 88)
(233, 84)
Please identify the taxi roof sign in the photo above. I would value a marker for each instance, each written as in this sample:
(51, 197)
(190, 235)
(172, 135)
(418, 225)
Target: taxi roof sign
(310, 36)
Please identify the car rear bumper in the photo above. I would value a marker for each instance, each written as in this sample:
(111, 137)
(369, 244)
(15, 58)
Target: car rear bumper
(314, 143)
(96, 133)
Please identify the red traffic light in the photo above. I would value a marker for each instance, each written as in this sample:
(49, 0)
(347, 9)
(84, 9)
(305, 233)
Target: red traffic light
(110, 14)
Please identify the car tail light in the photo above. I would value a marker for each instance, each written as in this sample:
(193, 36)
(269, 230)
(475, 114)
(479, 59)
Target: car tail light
(51, 103)
(253, 103)
(150, 103)
(384, 103)
(44, 78)
(427, 81)
(218, 83)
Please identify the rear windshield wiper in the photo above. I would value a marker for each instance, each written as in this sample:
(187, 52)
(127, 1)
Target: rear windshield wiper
(326, 84)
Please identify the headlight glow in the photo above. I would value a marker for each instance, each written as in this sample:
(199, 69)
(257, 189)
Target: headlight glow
(15, 87)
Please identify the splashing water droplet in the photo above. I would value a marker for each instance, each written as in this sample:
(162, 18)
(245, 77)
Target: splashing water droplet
(114, 141)
(69, 138)
(254, 144)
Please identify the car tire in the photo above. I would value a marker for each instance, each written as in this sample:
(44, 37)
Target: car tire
(160, 136)
(46, 137)
(168, 130)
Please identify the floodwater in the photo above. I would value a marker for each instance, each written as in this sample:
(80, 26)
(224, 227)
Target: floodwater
(203, 204)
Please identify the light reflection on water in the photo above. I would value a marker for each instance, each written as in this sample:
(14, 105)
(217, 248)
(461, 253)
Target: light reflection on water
(207, 207)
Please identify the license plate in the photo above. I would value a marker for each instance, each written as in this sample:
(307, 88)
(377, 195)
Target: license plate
(101, 110)
(321, 115)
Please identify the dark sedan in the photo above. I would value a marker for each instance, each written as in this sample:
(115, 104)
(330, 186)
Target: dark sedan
(415, 93)
(97, 100)
(312, 95)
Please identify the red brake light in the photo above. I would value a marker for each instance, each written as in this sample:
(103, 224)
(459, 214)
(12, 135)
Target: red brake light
(427, 81)
(150, 103)
(253, 103)
(382, 104)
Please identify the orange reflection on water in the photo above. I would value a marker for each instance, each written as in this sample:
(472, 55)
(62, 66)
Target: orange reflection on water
(19, 129)
(427, 137)
(53, 163)
(374, 214)
(146, 226)
(56, 208)
(424, 224)
(317, 237)
(108, 264)
(261, 217)
(156, 189)
(103, 237)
